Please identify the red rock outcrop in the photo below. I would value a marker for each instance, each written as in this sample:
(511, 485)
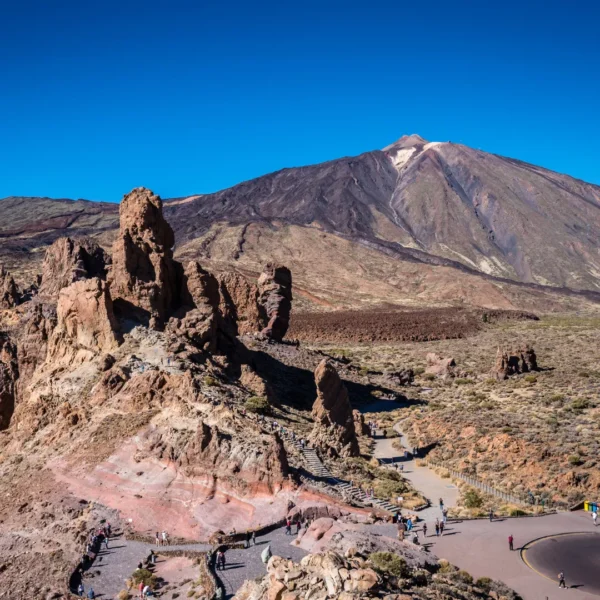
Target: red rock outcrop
(360, 427)
(9, 373)
(257, 460)
(86, 326)
(143, 274)
(67, 261)
(275, 300)
(514, 362)
(333, 431)
(439, 366)
(239, 305)
(198, 318)
(253, 382)
(9, 294)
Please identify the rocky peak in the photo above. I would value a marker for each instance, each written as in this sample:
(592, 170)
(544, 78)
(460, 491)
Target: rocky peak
(9, 374)
(68, 260)
(9, 294)
(333, 431)
(143, 274)
(275, 300)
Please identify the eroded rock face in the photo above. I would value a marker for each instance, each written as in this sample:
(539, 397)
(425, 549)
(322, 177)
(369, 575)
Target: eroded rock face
(86, 326)
(275, 300)
(198, 317)
(239, 305)
(255, 459)
(514, 362)
(143, 274)
(9, 373)
(333, 431)
(67, 261)
(360, 427)
(9, 294)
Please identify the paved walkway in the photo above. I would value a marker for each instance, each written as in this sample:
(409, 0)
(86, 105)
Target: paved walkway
(113, 567)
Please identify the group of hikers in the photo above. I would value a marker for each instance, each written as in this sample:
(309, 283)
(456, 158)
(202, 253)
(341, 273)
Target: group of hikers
(96, 540)
(162, 539)
(407, 524)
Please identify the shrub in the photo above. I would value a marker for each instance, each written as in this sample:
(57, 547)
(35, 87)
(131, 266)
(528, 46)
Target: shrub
(464, 576)
(530, 378)
(485, 583)
(462, 381)
(210, 381)
(390, 564)
(580, 404)
(258, 404)
(472, 498)
(123, 595)
(583, 374)
(429, 377)
(386, 488)
(517, 512)
(145, 576)
(575, 460)
(557, 397)
(419, 370)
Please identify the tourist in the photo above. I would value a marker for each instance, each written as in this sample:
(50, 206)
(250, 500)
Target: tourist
(141, 589)
(266, 555)
(561, 580)
(510, 542)
(254, 538)
(91, 594)
(106, 543)
(442, 528)
(157, 539)
(441, 504)
(437, 528)
(152, 558)
(146, 592)
(415, 539)
(424, 530)
(298, 526)
(595, 517)
(248, 538)
(491, 515)
(445, 515)
(288, 527)
(409, 524)
(80, 590)
(165, 538)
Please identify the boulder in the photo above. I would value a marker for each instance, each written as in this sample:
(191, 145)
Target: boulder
(439, 366)
(143, 274)
(9, 373)
(275, 300)
(360, 427)
(333, 431)
(9, 294)
(67, 261)
(514, 362)
(86, 326)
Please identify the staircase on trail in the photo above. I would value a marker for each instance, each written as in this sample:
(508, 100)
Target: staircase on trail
(319, 471)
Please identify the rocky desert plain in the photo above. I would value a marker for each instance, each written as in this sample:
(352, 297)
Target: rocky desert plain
(214, 365)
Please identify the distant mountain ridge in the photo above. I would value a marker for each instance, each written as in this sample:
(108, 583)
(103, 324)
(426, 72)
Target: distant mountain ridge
(415, 202)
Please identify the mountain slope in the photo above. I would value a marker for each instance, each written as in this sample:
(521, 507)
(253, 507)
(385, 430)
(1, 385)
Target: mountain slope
(416, 222)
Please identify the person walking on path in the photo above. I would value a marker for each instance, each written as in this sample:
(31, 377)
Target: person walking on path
(442, 528)
(80, 590)
(424, 530)
(222, 558)
(91, 595)
(165, 538)
(441, 504)
(445, 515)
(491, 514)
(511, 539)
(437, 528)
(157, 539)
(288, 527)
(595, 518)
(254, 538)
(248, 538)
(561, 580)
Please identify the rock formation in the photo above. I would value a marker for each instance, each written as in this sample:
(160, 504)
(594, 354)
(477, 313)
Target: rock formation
(239, 305)
(256, 459)
(333, 431)
(254, 383)
(439, 366)
(143, 274)
(360, 427)
(9, 294)
(514, 362)
(197, 319)
(9, 373)
(86, 326)
(67, 261)
(275, 300)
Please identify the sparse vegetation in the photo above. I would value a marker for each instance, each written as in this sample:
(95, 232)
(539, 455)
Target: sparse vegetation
(258, 404)
(388, 563)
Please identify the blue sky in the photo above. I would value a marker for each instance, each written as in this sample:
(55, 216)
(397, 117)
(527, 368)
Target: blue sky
(189, 97)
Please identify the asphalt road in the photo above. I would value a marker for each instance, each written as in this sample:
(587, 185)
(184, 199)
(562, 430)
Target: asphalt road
(575, 554)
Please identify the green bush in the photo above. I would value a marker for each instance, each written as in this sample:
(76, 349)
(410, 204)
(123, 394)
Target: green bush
(580, 404)
(530, 378)
(583, 374)
(386, 488)
(258, 404)
(464, 576)
(428, 376)
(472, 498)
(419, 370)
(145, 576)
(462, 381)
(517, 512)
(389, 564)
(575, 460)
(210, 381)
(485, 583)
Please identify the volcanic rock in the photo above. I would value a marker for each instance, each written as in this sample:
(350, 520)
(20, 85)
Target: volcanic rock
(143, 274)
(197, 319)
(67, 261)
(360, 427)
(9, 373)
(86, 324)
(253, 382)
(239, 305)
(9, 294)
(333, 431)
(514, 362)
(275, 300)
(439, 366)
